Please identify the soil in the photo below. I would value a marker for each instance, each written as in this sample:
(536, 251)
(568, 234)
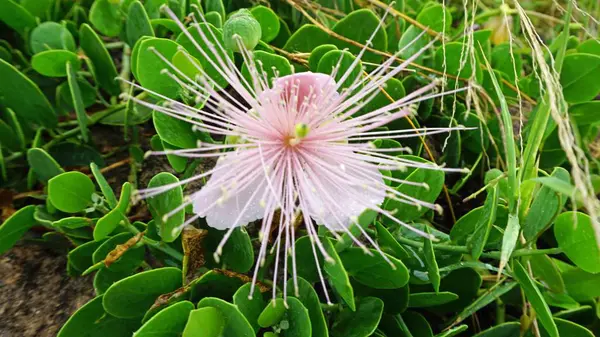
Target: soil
(36, 294)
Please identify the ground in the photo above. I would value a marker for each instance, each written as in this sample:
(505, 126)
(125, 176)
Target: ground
(36, 294)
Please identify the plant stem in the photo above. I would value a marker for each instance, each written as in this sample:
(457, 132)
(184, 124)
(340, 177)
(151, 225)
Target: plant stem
(156, 244)
(490, 255)
(164, 248)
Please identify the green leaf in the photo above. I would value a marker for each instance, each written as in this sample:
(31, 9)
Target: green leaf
(71, 192)
(149, 66)
(51, 35)
(44, 166)
(82, 118)
(486, 298)
(132, 296)
(24, 97)
(234, 322)
(106, 17)
(581, 285)
(238, 254)
(417, 324)
(203, 55)
(434, 180)
(359, 26)
(502, 60)
(338, 277)
(16, 17)
(508, 329)
(205, 322)
(395, 300)
(64, 96)
(72, 222)
(436, 17)
(465, 282)
(153, 7)
(317, 54)
(454, 331)
(570, 329)
(38, 8)
(215, 6)
(104, 69)
(187, 64)
(575, 235)
(214, 19)
(307, 268)
(534, 296)
(386, 240)
(306, 38)
(164, 203)
(373, 270)
(408, 48)
(345, 60)
(309, 298)
(137, 23)
(269, 22)
(274, 65)
(272, 313)
(558, 185)
(484, 225)
(8, 138)
(174, 131)
(92, 321)
(169, 322)
(546, 271)
(109, 222)
(105, 278)
(424, 300)
(552, 154)
(509, 239)
(454, 66)
(107, 191)
(578, 77)
(393, 87)
(299, 324)
(214, 284)
(250, 307)
(433, 271)
(13, 228)
(589, 47)
(177, 162)
(360, 323)
(546, 204)
(81, 258)
(587, 113)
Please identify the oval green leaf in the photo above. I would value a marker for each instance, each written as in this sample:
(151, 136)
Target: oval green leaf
(576, 237)
(235, 324)
(14, 227)
(92, 321)
(373, 270)
(24, 97)
(362, 322)
(169, 322)
(44, 166)
(71, 192)
(164, 203)
(132, 296)
(104, 69)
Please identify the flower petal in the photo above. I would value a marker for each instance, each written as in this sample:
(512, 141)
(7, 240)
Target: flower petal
(243, 205)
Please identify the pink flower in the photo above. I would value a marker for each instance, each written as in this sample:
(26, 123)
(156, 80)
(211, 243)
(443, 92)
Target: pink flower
(294, 146)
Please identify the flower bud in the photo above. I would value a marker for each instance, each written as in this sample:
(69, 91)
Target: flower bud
(241, 25)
